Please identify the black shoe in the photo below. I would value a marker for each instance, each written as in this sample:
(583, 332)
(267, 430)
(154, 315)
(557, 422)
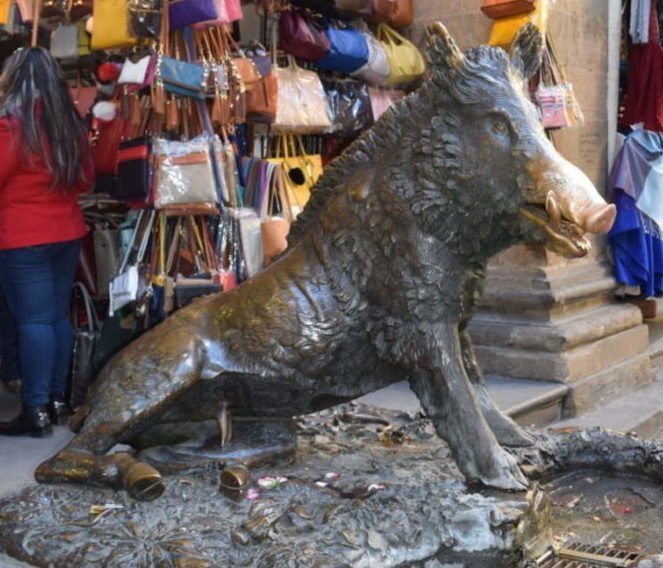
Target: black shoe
(33, 421)
(58, 410)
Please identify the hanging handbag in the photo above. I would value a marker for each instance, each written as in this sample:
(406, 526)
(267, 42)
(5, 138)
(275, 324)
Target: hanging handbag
(302, 106)
(376, 70)
(138, 74)
(348, 51)
(134, 171)
(302, 37)
(107, 142)
(145, 18)
(301, 170)
(83, 98)
(505, 8)
(183, 173)
(182, 78)
(504, 30)
(182, 13)
(350, 106)
(107, 256)
(86, 336)
(382, 99)
(64, 41)
(54, 10)
(402, 14)
(406, 62)
(80, 9)
(128, 285)
(274, 228)
(111, 25)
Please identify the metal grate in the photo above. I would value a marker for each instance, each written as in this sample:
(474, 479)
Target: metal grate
(578, 555)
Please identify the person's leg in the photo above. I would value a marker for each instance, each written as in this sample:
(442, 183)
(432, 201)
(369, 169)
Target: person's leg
(9, 371)
(29, 286)
(65, 261)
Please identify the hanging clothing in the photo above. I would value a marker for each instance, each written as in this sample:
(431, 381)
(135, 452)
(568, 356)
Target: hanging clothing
(644, 100)
(639, 21)
(635, 186)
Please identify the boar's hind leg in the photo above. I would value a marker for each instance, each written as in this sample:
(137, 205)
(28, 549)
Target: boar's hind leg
(122, 405)
(507, 432)
(446, 394)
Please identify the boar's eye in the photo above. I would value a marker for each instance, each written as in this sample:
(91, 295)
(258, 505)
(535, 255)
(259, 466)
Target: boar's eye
(499, 126)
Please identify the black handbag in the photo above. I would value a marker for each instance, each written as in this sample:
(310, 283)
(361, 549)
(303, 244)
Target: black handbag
(86, 336)
(134, 172)
(145, 18)
(350, 105)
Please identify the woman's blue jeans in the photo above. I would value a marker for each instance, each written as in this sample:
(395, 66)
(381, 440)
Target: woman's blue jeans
(37, 283)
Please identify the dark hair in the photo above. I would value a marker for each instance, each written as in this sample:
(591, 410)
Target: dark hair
(34, 92)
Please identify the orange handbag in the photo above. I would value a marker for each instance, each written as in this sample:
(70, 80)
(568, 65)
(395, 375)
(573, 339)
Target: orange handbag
(402, 14)
(504, 8)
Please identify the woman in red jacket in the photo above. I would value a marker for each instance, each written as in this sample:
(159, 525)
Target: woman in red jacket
(45, 163)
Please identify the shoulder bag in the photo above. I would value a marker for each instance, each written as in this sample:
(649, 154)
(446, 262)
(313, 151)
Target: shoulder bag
(406, 62)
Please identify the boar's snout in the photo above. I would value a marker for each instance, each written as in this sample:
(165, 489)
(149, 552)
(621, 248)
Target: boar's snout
(572, 207)
(599, 218)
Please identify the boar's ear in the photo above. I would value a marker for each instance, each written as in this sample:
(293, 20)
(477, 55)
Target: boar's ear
(443, 53)
(526, 50)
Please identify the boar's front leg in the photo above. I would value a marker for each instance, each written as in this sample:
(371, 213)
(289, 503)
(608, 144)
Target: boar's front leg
(439, 379)
(507, 432)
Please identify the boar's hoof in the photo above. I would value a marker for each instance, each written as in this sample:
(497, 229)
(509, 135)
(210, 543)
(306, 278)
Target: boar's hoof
(503, 473)
(143, 482)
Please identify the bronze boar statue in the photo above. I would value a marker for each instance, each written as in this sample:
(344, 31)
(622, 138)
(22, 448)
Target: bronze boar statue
(383, 272)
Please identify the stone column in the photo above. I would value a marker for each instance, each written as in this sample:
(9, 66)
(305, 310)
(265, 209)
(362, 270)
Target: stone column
(543, 317)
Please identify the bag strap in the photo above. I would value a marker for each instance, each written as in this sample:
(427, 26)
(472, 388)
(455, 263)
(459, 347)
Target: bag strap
(90, 312)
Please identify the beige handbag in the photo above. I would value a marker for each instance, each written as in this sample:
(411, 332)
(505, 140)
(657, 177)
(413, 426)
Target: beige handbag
(274, 229)
(406, 62)
(302, 106)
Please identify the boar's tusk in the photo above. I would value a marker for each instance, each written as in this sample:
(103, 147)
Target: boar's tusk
(553, 210)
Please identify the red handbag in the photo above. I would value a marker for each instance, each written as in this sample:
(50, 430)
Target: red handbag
(83, 98)
(106, 145)
(300, 37)
(504, 8)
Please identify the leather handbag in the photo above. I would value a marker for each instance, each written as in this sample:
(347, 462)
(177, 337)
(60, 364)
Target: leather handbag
(86, 336)
(83, 98)
(111, 25)
(348, 51)
(406, 62)
(262, 100)
(402, 14)
(107, 143)
(80, 9)
(376, 70)
(505, 8)
(134, 171)
(139, 74)
(302, 106)
(274, 228)
(182, 13)
(302, 37)
(145, 18)
(182, 78)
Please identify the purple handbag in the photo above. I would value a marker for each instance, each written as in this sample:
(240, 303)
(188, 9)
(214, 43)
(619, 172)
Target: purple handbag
(182, 13)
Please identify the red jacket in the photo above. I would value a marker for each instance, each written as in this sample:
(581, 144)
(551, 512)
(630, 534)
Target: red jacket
(31, 213)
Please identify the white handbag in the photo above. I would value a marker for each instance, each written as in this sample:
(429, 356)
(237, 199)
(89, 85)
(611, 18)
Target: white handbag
(376, 70)
(128, 285)
(134, 72)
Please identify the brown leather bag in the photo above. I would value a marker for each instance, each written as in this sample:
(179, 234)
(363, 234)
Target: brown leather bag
(504, 8)
(261, 100)
(402, 14)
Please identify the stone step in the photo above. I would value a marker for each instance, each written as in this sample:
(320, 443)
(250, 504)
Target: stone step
(639, 411)
(530, 403)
